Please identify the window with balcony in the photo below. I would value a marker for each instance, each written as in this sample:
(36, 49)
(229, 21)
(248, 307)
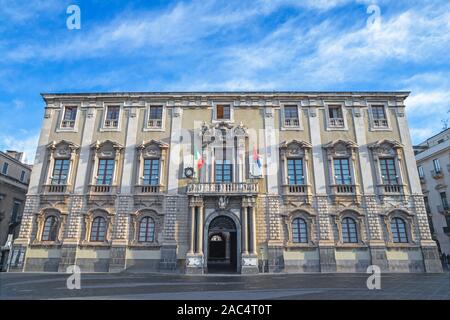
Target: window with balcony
(151, 172)
(223, 112)
(155, 117)
(398, 230)
(295, 171)
(5, 168)
(223, 171)
(69, 117)
(342, 174)
(444, 201)
(50, 230)
(98, 229)
(388, 171)
(437, 166)
(112, 117)
(335, 116)
(105, 172)
(291, 116)
(349, 231)
(379, 119)
(60, 172)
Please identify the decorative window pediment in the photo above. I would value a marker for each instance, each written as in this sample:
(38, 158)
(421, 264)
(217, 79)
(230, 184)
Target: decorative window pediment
(340, 148)
(107, 148)
(295, 148)
(385, 148)
(63, 148)
(152, 148)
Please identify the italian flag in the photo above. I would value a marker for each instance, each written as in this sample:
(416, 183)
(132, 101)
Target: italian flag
(199, 159)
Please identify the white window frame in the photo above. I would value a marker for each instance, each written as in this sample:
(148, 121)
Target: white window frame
(105, 112)
(371, 119)
(147, 116)
(61, 118)
(344, 110)
(214, 111)
(299, 112)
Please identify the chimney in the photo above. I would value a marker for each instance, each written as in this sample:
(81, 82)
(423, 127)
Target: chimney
(15, 154)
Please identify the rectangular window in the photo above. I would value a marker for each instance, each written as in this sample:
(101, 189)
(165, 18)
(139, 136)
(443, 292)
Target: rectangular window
(295, 171)
(379, 116)
(60, 171)
(5, 168)
(335, 116)
(112, 117)
(70, 114)
(223, 112)
(151, 172)
(444, 200)
(437, 166)
(291, 116)
(22, 176)
(155, 117)
(421, 172)
(388, 171)
(105, 171)
(427, 204)
(15, 212)
(223, 171)
(342, 171)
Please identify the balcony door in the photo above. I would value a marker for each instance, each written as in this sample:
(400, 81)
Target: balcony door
(223, 165)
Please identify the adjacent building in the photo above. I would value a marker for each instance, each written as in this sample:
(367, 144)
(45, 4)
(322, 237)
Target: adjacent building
(243, 182)
(14, 179)
(433, 164)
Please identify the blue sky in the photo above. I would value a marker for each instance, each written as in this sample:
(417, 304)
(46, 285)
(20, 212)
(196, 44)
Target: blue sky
(221, 45)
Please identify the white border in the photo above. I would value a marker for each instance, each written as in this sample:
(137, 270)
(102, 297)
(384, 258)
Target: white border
(386, 112)
(299, 112)
(62, 112)
(147, 115)
(327, 115)
(104, 109)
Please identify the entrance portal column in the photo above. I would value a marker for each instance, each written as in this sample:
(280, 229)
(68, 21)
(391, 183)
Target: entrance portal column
(200, 229)
(249, 261)
(194, 257)
(244, 230)
(252, 214)
(192, 234)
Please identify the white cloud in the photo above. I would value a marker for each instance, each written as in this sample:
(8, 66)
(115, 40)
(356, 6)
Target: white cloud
(27, 144)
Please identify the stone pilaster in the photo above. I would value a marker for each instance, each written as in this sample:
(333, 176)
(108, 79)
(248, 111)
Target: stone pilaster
(168, 260)
(275, 257)
(326, 238)
(430, 252)
(124, 206)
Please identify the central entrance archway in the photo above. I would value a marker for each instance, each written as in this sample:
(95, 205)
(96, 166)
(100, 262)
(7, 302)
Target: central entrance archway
(222, 246)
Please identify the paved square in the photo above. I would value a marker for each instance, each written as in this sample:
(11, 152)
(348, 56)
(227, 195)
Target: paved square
(224, 287)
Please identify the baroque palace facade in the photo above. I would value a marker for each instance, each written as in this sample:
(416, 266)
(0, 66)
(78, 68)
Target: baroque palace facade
(245, 182)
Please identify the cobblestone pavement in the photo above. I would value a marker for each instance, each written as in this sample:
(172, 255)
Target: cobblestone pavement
(224, 287)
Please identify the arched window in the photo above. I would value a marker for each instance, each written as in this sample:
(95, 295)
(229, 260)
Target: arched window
(349, 232)
(299, 231)
(147, 230)
(98, 229)
(50, 230)
(398, 229)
